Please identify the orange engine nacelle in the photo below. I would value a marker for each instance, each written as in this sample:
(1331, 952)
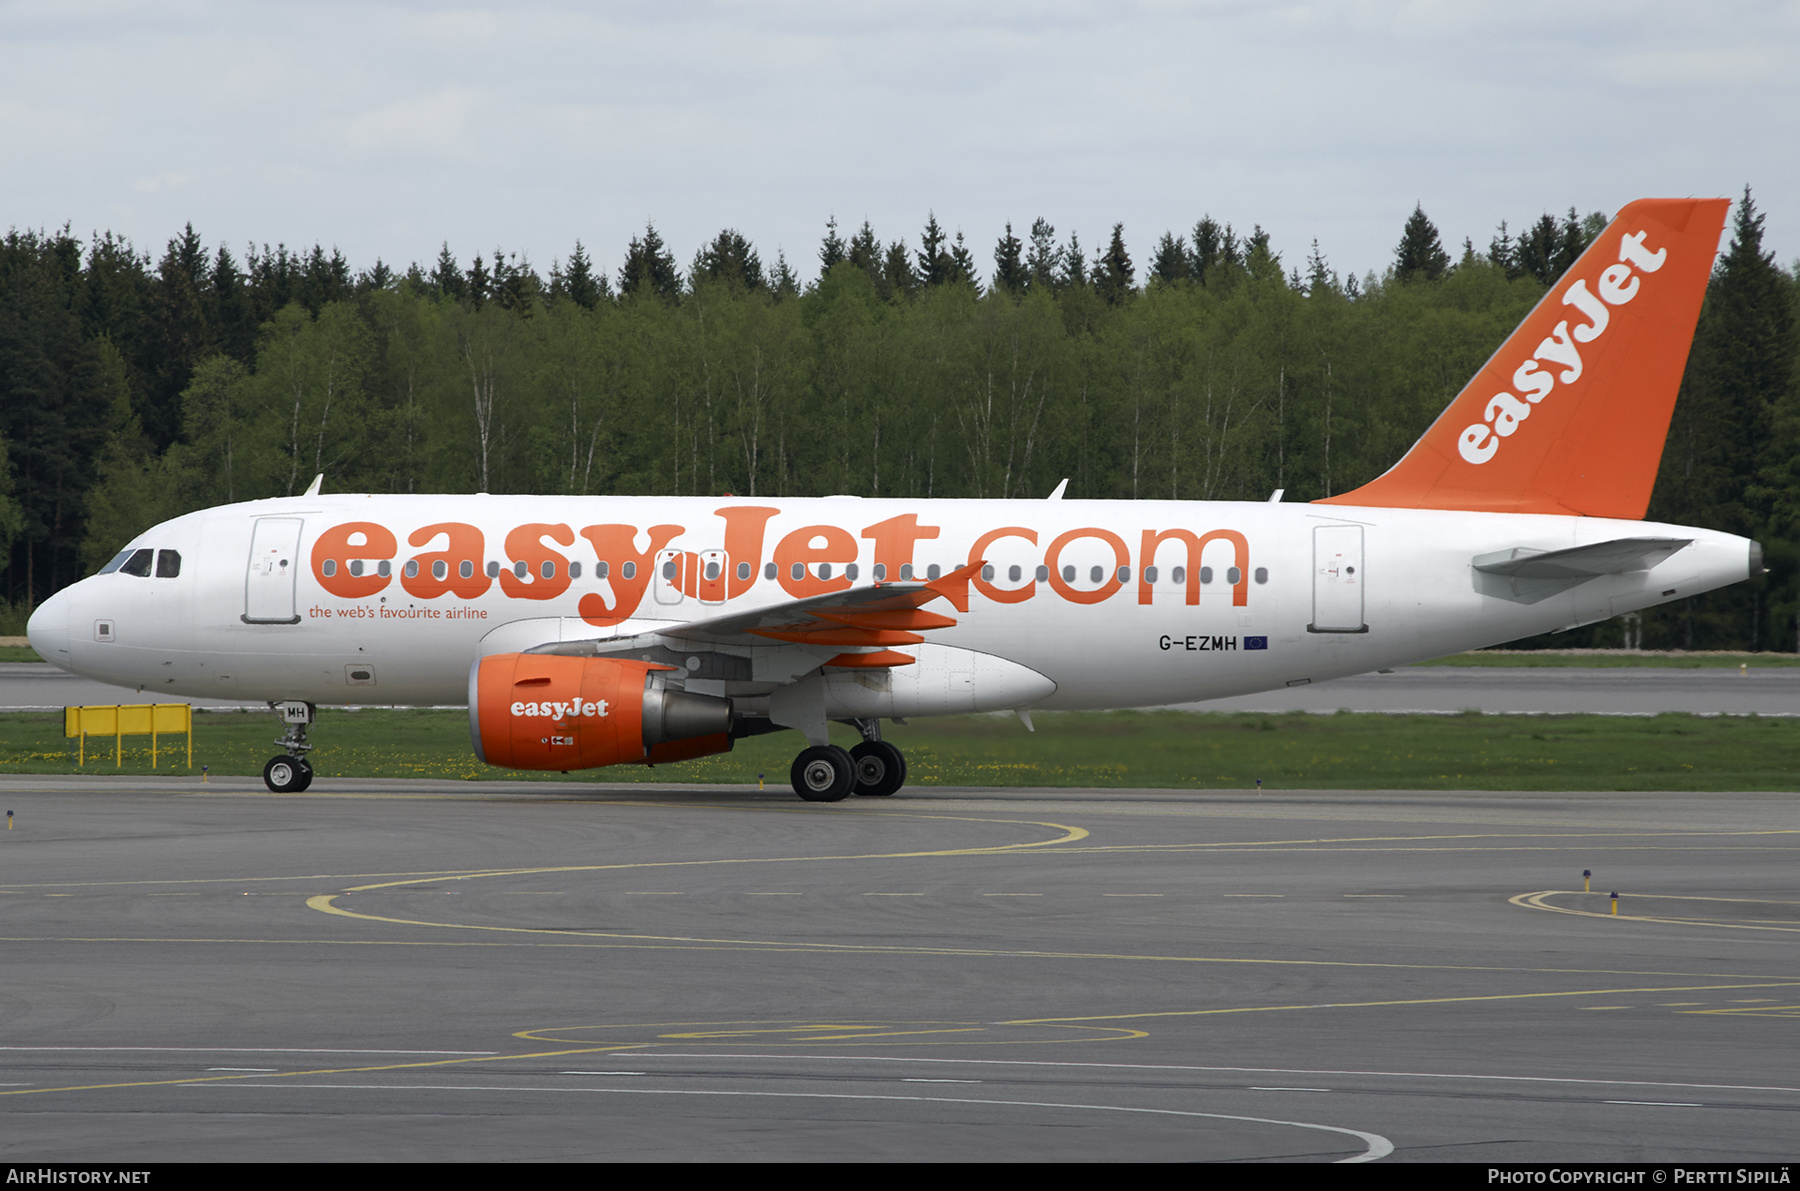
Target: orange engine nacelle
(544, 711)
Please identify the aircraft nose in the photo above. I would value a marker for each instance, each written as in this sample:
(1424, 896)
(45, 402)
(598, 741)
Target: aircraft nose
(48, 629)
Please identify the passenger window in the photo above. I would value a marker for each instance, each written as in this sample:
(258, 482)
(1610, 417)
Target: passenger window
(168, 564)
(548, 570)
(629, 570)
(769, 571)
(850, 572)
(906, 572)
(932, 571)
(601, 569)
(1043, 574)
(138, 564)
(1179, 575)
(493, 570)
(1234, 576)
(440, 570)
(1205, 574)
(574, 570)
(412, 569)
(743, 572)
(1149, 574)
(880, 572)
(1262, 574)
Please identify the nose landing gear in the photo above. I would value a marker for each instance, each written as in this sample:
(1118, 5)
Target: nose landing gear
(292, 772)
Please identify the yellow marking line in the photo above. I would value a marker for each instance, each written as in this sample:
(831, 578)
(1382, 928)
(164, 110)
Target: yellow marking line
(322, 903)
(198, 1079)
(760, 1032)
(723, 1035)
(1535, 901)
(1070, 834)
(1529, 996)
(1074, 834)
(1226, 845)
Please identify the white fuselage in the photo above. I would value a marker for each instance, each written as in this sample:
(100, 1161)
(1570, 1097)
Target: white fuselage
(1287, 593)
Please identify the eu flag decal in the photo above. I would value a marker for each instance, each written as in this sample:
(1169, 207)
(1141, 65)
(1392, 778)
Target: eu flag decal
(1256, 642)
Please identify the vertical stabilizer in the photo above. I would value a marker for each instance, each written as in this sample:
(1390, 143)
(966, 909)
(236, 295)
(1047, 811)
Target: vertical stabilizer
(1569, 416)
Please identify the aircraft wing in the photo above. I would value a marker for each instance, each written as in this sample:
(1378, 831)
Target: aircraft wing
(862, 622)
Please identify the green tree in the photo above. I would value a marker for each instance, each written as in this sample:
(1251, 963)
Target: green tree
(649, 268)
(865, 253)
(728, 260)
(1113, 273)
(59, 391)
(1044, 261)
(1729, 462)
(178, 335)
(1010, 273)
(1420, 255)
(831, 249)
(577, 280)
(1171, 261)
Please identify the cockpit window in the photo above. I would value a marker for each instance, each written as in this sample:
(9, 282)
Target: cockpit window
(138, 564)
(118, 561)
(168, 564)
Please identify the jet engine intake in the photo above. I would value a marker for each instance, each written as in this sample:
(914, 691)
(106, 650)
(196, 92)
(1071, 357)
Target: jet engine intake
(544, 711)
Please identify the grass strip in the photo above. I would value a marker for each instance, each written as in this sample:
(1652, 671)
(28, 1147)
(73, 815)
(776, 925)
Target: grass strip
(1169, 749)
(1615, 658)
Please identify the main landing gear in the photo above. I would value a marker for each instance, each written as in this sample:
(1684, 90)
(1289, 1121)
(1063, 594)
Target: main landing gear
(292, 772)
(873, 769)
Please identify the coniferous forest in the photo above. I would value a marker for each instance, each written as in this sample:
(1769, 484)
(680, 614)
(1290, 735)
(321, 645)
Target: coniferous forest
(135, 388)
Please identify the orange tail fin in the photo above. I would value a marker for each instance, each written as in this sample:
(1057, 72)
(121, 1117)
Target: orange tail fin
(1569, 416)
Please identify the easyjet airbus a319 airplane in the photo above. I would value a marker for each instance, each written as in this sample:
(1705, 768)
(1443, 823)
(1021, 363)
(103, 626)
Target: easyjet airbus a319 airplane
(593, 631)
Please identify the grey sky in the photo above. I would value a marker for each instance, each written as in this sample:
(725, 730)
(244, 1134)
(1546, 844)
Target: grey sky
(386, 129)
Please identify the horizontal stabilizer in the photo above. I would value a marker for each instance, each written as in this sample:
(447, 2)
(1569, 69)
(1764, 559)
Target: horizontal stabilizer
(1525, 576)
(1581, 562)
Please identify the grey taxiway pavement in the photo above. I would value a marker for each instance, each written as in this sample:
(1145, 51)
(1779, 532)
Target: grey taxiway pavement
(406, 970)
(1553, 690)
